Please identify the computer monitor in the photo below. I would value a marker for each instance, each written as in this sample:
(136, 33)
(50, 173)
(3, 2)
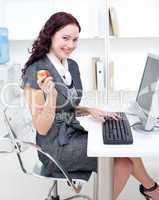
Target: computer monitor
(147, 100)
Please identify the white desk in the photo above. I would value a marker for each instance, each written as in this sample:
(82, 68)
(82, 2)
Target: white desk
(145, 144)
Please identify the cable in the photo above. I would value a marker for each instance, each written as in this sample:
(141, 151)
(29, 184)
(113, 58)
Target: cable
(136, 123)
(131, 114)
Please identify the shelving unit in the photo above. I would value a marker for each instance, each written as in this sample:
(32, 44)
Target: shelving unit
(135, 18)
(136, 23)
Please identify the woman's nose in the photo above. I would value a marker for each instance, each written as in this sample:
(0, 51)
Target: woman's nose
(70, 44)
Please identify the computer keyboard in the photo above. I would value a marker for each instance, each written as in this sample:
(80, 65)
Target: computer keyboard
(117, 131)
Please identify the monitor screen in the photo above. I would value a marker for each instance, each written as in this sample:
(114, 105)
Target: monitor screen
(148, 83)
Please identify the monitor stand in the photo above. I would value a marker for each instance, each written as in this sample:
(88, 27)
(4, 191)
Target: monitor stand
(131, 109)
(139, 127)
(147, 121)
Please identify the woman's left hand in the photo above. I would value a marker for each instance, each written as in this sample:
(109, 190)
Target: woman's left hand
(101, 115)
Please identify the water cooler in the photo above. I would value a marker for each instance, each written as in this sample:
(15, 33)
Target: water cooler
(4, 45)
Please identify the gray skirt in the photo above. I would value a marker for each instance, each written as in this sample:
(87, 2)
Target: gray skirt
(73, 157)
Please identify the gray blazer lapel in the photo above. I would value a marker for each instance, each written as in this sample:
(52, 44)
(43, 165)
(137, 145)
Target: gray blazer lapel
(74, 70)
(59, 84)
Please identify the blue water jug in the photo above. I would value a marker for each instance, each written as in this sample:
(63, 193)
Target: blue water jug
(4, 45)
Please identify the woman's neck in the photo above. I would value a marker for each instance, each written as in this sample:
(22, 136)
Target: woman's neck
(52, 54)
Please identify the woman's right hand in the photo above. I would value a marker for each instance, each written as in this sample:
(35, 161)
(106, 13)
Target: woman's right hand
(47, 85)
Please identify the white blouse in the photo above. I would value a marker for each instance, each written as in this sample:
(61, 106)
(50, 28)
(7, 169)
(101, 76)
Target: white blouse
(62, 68)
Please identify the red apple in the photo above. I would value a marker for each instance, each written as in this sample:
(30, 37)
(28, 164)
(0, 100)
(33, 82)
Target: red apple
(41, 74)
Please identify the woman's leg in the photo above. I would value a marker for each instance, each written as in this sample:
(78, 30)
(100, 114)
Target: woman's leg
(123, 168)
(140, 173)
(122, 171)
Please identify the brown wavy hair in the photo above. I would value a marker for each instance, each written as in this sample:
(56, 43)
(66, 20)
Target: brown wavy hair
(42, 44)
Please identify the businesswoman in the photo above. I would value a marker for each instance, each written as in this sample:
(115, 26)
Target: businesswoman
(54, 98)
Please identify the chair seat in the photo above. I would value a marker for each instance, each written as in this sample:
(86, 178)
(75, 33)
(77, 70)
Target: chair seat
(39, 169)
(74, 175)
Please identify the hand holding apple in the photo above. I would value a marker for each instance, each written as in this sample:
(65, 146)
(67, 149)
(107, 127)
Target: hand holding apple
(45, 82)
(42, 74)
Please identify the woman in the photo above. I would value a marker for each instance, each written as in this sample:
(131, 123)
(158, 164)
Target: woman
(54, 99)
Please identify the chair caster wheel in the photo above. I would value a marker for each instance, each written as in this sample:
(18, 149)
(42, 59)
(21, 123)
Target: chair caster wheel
(55, 198)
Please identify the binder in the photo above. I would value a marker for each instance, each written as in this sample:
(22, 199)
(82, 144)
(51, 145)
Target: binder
(113, 22)
(100, 75)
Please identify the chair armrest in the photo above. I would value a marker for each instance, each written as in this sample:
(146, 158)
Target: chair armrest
(57, 163)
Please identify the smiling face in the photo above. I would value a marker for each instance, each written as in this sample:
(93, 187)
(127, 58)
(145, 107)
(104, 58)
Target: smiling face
(65, 41)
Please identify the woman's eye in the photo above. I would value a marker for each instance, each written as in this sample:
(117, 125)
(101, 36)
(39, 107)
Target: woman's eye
(65, 38)
(75, 40)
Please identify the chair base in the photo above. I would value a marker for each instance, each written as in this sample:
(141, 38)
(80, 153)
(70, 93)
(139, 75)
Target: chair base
(79, 196)
(53, 194)
(69, 198)
(53, 198)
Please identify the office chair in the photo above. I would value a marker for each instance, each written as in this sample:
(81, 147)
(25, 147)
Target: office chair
(21, 148)
(6, 145)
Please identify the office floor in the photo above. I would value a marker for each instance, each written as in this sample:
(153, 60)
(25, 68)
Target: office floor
(131, 192)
